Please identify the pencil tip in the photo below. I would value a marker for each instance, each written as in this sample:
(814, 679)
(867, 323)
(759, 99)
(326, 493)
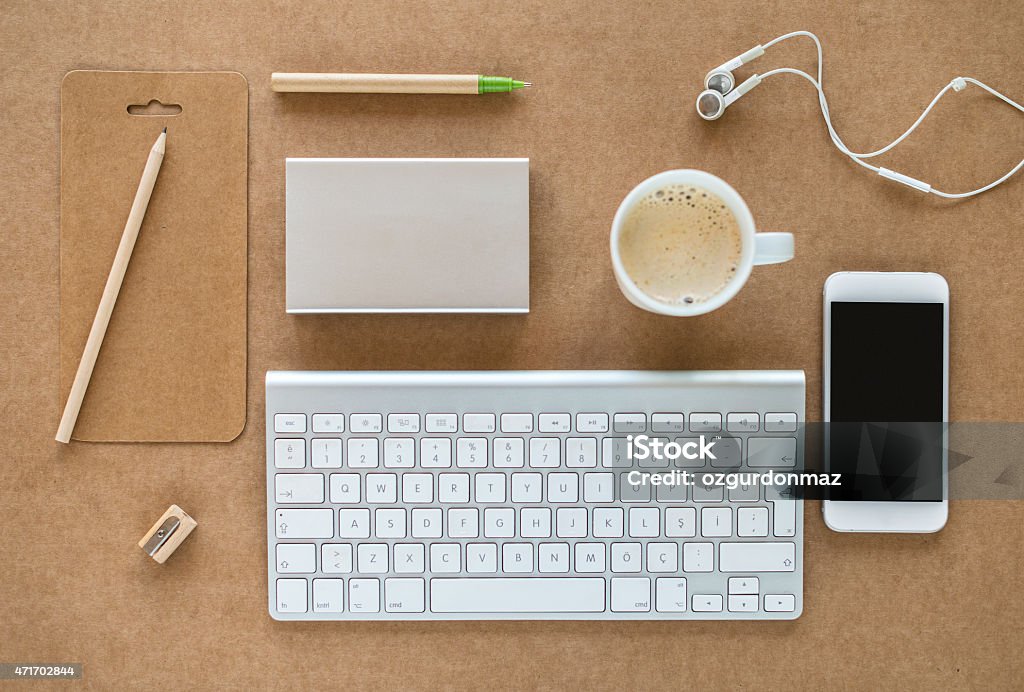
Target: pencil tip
(165, 130)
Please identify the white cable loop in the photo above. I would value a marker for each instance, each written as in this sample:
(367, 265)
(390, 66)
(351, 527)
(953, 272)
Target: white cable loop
(856, 157)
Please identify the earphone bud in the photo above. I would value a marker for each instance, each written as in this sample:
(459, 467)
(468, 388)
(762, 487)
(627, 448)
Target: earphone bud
(711, 104)
(719, 93)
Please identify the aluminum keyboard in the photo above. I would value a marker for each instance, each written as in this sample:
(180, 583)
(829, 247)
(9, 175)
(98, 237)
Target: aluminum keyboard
(510, 495)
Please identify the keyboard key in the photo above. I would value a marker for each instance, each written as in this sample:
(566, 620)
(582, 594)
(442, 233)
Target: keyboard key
(598, 487)
(328, 422)
(667, 422)
(716, 522)
(592, 422)
(363, 453)
(527, 487)
(553, 423)
(563, 487)
(490, 487)
(508, 452)
(671, 494)
(345, 488)
(744, 585)
(444, 558)
(404, 595)
(364, 595)
(389, 523)
(464, 522)
(471, 452)
(680, 522)
(545, 452)
(752, 521)
(590, 558)
(289, 454)
(353, 523)
(403, 422)
(631, 594)
(630, 422)
(516, 422)
(291, 596)
(372, 558)
(366, 423)
(615, 453)
(517, 557)
(553, 557)
(785, 511)
(670, 595)
(535, 522)
(442, 423)
(436, 453)
(698, 557)
(482, 558)
(400, 452)
(697, 462)
(499, 522)
(707, 603)
(304, 523)
(290, 423)
(299, 488)
(296, 558)
(328, 595)
(771, 451)
(325, 453)
(608, 522)
(757, 557)
(705, 422)
(409, 558)
(426, 523)
(745, 493)
(453, 488)
(336, 558)
(742, 422)
(630, 492)
(780, 422)
(522, 595)
(779, 603)
(381, 488)
(581, 452)
(644, 522)
(742, 604)
(478, 422)
(627, 557)
(571, 522)
(662, 557)
(417, 488)
(727, 453)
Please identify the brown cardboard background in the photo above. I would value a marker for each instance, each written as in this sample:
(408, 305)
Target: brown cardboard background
(613, 104)
(172, 368)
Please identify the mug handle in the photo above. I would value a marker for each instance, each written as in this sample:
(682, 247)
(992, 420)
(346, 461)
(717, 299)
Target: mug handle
(772, 248)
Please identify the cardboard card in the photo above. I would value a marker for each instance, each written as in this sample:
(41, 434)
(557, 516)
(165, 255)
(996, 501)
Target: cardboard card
(172, 365)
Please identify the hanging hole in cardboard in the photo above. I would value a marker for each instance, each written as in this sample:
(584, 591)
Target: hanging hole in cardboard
(154, 107)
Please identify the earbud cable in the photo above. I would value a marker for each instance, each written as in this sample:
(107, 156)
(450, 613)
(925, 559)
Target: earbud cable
(957, 84)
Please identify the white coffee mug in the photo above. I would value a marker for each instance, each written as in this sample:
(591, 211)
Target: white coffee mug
(757, 248)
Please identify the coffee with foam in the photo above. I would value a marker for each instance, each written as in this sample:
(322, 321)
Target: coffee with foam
(680, 244)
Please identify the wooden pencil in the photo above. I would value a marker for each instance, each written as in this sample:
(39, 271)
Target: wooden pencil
(111, 289)
(354, 83)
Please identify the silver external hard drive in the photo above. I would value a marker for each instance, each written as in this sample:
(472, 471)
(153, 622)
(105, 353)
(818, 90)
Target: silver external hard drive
(408, 235)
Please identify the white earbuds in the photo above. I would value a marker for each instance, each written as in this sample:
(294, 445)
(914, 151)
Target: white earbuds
(720, 92)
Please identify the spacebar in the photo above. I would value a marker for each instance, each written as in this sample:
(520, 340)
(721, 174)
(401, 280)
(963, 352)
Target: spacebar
(538, 595)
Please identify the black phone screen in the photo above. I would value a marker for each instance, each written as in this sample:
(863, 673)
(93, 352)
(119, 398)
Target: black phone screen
(885, 400)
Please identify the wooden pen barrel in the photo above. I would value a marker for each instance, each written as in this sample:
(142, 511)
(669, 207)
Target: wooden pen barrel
(375, 83)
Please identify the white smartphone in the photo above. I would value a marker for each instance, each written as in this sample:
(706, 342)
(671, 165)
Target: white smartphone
(886, 401)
